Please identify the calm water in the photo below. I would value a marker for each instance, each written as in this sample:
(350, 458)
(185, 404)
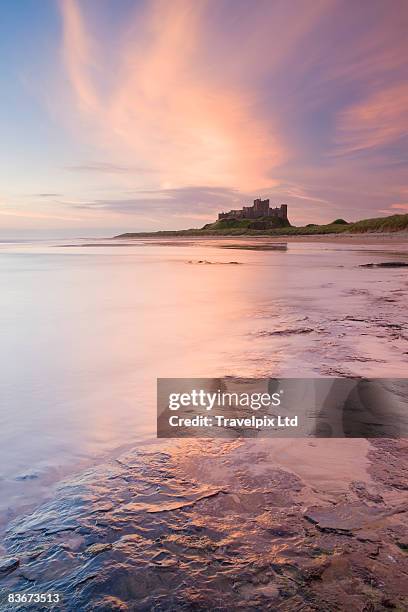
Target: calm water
(86, 330)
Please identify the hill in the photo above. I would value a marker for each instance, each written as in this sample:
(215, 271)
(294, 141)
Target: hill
(261, 227)
(261, 223)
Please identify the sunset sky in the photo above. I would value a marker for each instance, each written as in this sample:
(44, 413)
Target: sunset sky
(121, 115)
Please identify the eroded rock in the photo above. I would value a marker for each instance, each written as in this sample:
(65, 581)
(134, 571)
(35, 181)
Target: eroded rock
(231, 530)
(386, 264)
(95, 549)
(8, 564)
(342, 518)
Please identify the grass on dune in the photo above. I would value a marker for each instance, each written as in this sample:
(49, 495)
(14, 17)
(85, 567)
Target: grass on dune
(246, 227)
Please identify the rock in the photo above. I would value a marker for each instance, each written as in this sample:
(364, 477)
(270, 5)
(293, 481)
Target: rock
(8, 564)
(386, 264)
(315, 570)
(113, 604)
(402, 542)
(95, 549)
(28, 476)
(204, 261)
(291, 331)
(368, 536)
(389, 603)
(276, 527)
(34, 554)
(343, 518)
(364, 492)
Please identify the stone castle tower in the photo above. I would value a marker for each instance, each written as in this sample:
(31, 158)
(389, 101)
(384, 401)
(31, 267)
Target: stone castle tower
(260, 208)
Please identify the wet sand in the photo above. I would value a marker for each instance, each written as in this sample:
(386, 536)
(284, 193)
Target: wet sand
(393, 238)
(358, 239)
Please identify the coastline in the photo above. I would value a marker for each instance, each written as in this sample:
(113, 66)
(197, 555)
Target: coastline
(341, 238)
(265, 524)
(348, 238)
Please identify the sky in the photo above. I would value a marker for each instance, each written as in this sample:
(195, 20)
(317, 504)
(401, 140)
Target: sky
(138, 115)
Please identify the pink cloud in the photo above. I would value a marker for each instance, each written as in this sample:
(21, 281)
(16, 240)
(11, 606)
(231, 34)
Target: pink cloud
(374, 122)
(304, 100)
(164, 110)
(400, 206)
(78, 55)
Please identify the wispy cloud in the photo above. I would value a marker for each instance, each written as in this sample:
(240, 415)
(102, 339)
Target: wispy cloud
(377, 121)
(402, 207)
(78, 54)
(164, 108)
(200, 200)
(29, 214)
(301, 194)
(222, 95)
(107, 168)
(47, 195)
(170, 111)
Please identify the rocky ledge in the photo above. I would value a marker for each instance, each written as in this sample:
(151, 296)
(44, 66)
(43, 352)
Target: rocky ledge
(150, 532)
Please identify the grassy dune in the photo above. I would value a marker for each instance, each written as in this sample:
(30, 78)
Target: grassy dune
(245, 227)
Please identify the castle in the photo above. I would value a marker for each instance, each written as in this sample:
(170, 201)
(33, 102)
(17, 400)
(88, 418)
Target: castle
(260, 208)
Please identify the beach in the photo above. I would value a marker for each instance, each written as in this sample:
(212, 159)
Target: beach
(101, 512)
(358, 238)
(396, 238)
(203, 306)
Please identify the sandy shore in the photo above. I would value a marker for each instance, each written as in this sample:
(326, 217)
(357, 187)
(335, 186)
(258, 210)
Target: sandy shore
(392, 238)
(395, 238)
(280, 525)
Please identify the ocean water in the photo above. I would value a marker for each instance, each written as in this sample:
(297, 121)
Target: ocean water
(88, 326)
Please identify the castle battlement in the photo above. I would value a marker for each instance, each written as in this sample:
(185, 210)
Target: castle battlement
(260, 208)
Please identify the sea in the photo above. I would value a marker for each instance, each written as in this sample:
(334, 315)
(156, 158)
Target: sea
(88, 325)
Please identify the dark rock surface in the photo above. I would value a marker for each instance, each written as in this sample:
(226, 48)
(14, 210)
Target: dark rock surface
(149, 532)
(222, 263)
(386, 264)
(8, 564)
(349, 518)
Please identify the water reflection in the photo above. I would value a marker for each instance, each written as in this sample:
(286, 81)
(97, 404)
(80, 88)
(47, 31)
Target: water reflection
(87, 330)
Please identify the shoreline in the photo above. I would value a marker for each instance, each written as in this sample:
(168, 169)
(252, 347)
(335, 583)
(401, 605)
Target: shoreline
(251, 524)
(393, 224)
(342, 238)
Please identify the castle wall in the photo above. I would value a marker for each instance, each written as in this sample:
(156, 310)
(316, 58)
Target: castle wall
(260, 208)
